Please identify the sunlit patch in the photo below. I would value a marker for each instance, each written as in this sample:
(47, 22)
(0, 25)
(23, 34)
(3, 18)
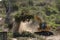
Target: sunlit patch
(0, 0)
(0, 19)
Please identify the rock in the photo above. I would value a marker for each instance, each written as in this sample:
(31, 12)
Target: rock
(13, 39)
(53, 38)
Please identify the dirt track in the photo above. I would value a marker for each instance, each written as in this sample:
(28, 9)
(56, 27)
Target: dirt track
(57, 37)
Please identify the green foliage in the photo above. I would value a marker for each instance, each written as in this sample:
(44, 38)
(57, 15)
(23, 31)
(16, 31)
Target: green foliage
(27, 34)
(30, 2)
(17, 18)
(49, 11)
(58, 4)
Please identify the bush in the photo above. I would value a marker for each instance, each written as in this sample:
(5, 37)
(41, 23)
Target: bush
(23, 34)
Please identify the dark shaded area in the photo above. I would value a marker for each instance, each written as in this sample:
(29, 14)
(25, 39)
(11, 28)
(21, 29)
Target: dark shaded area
(4, 3)
(3, 36)
(27, 34)
(44, 33)
(23, 18)
(57, 22)
(30, 2)
(43, 25)
(7, 20)
(48, 13)
(14, 8)
(24, 34)
(10, 25)
(58, 6)
(41, 4)
(23, 4)
(16, 34)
